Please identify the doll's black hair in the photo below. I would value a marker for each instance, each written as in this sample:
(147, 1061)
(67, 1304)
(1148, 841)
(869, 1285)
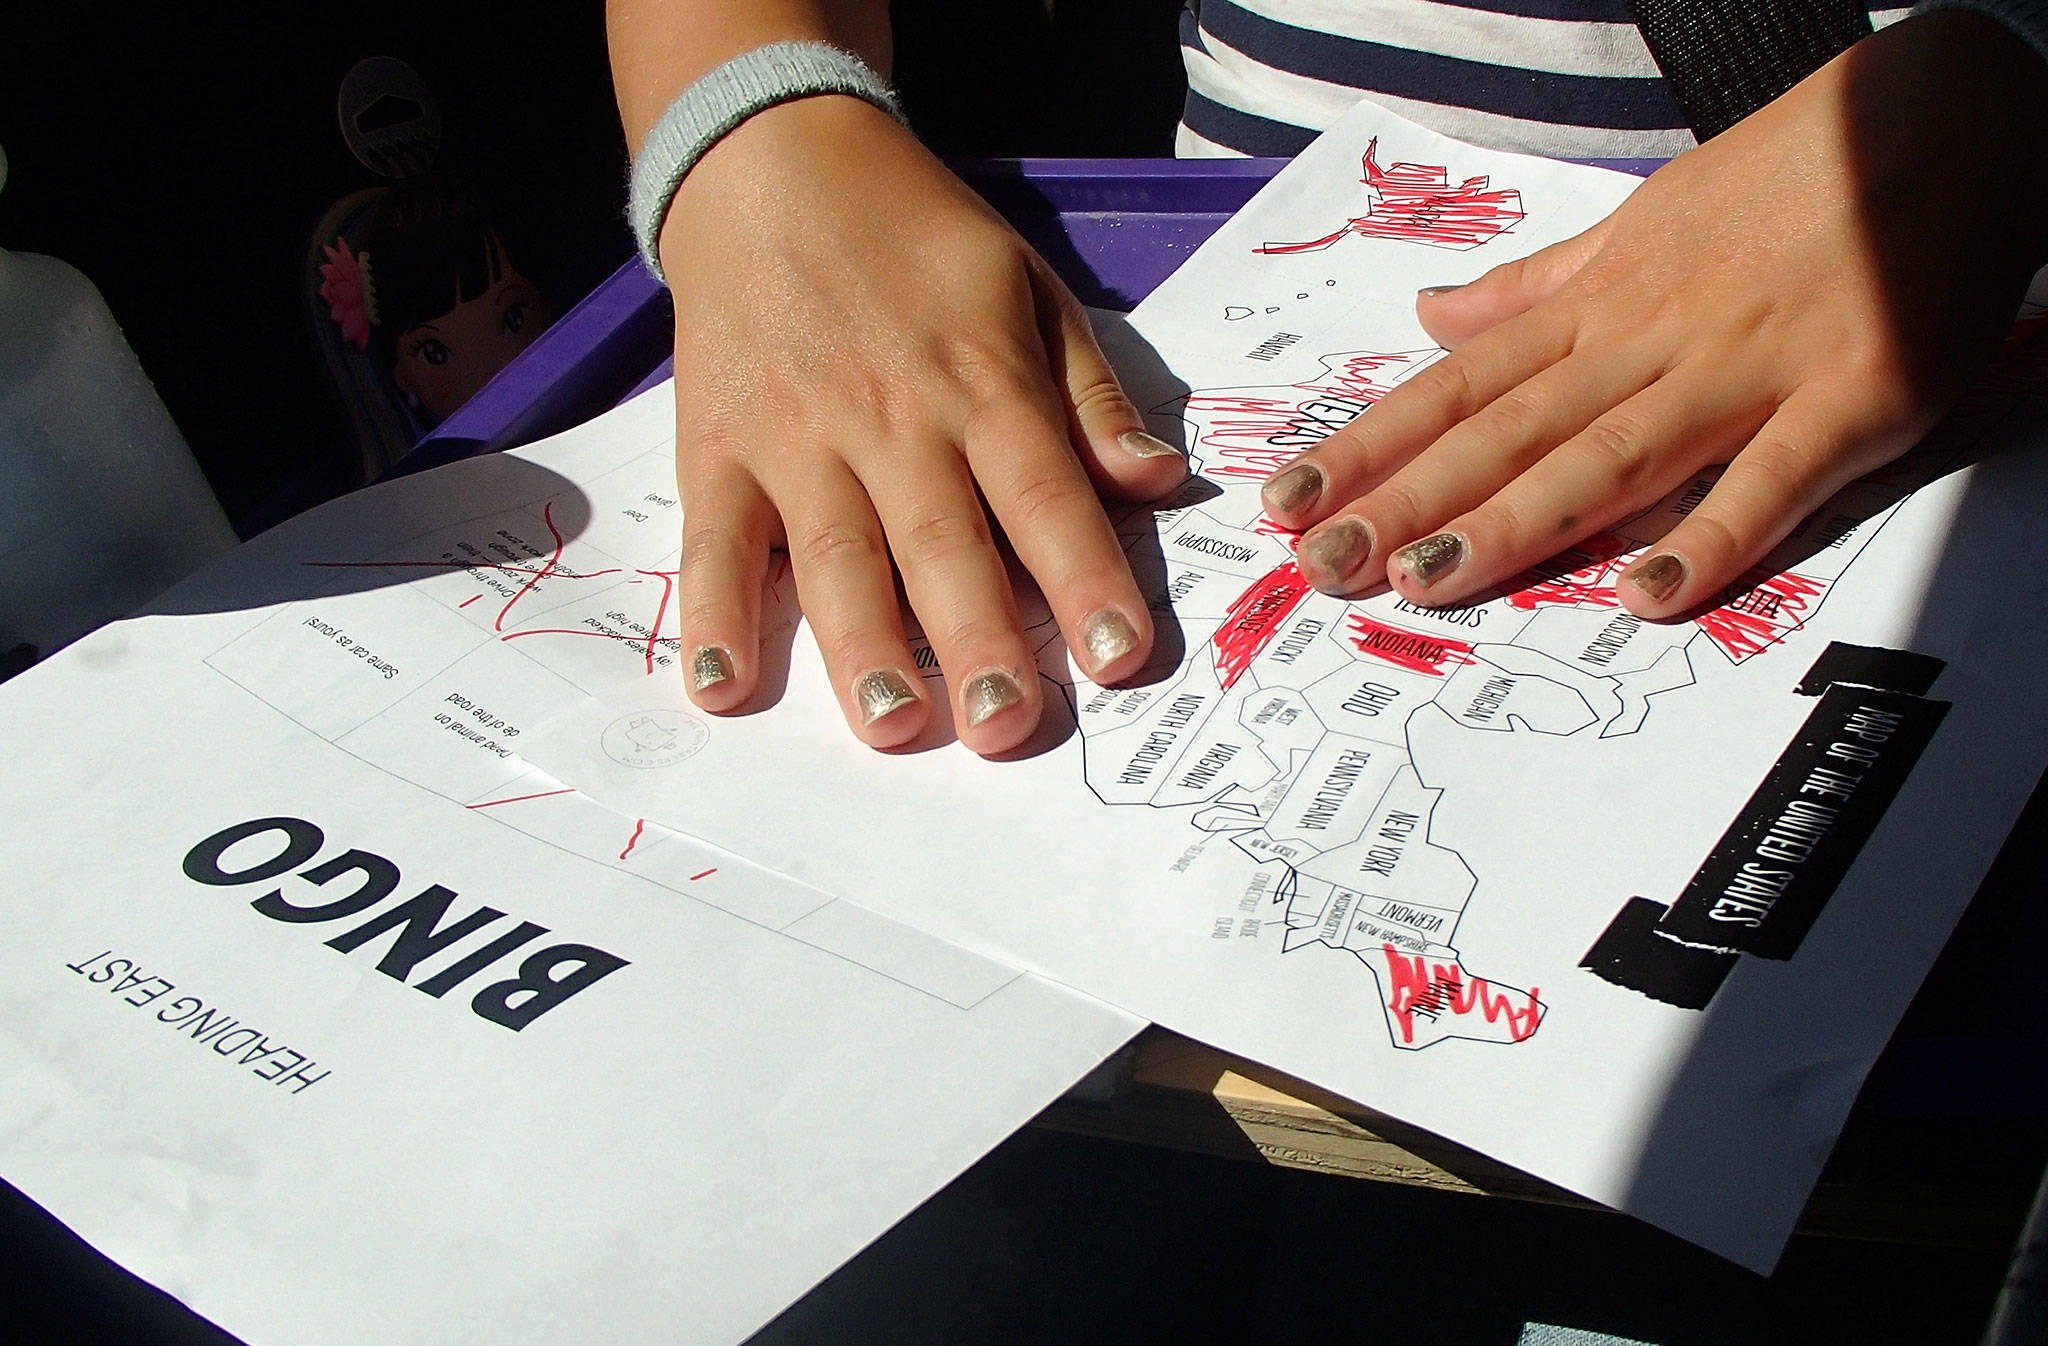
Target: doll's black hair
(432, 243)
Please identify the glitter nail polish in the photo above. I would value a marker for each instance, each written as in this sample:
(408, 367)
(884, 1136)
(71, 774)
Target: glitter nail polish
(1293, 488)
(1432, 558)
(710, 666)
(989, 694)
(1107, 636)
(881, 692)
(1143, 445)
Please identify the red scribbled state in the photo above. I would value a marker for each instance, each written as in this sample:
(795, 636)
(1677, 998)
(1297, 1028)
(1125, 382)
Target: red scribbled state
(1252, 432)
(1580, 577)
(1254, 619)
(1417, 204)
(1419, 987)
(639, 826)
(1402, 648)
(1757, 617)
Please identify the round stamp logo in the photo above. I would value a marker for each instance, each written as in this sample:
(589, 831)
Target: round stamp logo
(654, 738)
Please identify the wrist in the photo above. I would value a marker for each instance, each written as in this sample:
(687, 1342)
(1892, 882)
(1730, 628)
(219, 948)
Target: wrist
(724, 100)
(768, 173)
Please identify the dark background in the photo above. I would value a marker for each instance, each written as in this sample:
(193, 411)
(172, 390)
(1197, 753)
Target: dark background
(181, 154)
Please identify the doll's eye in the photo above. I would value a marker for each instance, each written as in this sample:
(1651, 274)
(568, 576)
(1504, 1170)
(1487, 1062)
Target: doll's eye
(432, 351)
(514, 317)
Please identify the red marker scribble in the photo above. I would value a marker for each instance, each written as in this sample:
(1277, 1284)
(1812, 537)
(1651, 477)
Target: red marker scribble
(704, 875)
(1415, 203)
(649, 639)
(1758, 617)
(1411, 650)
(519, 799)
(467, 601)
(639, 826)
(1254, 619)
(1581, 576)
(1252, 432)
(1420, 987)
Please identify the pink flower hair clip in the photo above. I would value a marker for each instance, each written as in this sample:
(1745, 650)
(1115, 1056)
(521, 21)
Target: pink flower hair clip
(345, 285)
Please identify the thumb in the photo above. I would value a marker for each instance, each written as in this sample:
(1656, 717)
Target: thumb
(1121, 455)
(1454, 314)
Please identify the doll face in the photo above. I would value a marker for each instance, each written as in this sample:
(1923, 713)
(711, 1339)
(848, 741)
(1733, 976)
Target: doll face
(443, 362)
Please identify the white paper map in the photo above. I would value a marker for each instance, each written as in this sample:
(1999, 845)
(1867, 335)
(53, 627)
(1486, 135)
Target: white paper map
(1632, 906)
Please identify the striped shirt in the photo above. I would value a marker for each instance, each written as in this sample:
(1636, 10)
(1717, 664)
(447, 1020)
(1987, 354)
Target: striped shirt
(1565, 78)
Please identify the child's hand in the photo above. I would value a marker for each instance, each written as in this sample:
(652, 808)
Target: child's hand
(871, 366)
(1801, 298)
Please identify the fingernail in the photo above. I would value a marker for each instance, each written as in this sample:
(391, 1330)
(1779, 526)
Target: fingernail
(710, 666)
(1432, 558)
(1142, 445)
(1432, 291)
(1294, 488)
(881, 692)
(1337, 550)
(1658, 576)
(988, 694)
(1107, 636)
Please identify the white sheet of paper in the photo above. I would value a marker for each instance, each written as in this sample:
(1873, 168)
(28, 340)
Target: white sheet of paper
(318, 1136)
(1373, 845)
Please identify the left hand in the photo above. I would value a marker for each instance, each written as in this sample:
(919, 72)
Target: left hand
(1801, 298)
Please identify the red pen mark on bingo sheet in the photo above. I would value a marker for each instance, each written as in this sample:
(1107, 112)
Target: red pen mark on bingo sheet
(467, 601)
(705, 875)
(1254, 619)
(1420, 987)
(1578, 577)
(520, 799)
(647, 638)
(1252, 432)
(1415, 203)
(1407, 649)
(639, 826)
(1756, 617)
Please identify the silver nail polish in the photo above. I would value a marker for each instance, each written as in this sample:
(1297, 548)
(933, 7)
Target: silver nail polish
(1108, 636)
(1294, 487)
(988, 694)
(1335, 552)
(1142, 445)
(1432, 558)
(1432, 291)
(881, 692)
(710, 666)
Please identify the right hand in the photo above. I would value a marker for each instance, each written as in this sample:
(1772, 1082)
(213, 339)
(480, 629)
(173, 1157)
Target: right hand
(865, 354)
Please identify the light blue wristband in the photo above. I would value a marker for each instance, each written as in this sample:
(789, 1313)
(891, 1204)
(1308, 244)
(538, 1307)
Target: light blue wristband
(712, 107)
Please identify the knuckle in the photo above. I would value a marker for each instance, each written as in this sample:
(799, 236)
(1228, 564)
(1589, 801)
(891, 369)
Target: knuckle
(1046, 495)
(707, 541)
(829, 545)
(1518, 415)
(975, 637)
(1447, 383)
(942, 535)
(1398, 508)
(1712, 542)
(1102, 399)
(1617, 448)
